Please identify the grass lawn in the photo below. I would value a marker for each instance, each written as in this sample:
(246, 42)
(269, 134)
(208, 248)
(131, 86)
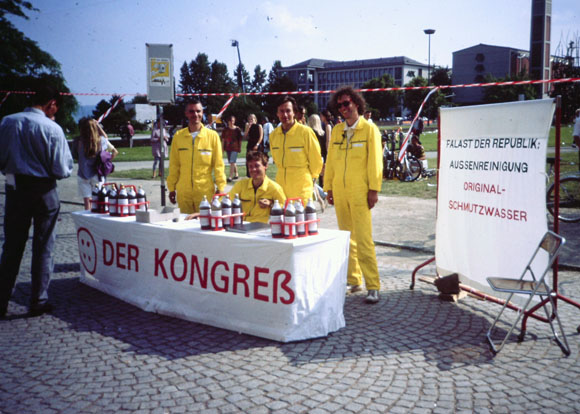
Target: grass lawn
(423, 188)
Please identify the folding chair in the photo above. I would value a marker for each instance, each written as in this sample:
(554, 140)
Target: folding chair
(537, 286)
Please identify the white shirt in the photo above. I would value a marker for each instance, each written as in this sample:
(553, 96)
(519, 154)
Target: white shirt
(576, 132)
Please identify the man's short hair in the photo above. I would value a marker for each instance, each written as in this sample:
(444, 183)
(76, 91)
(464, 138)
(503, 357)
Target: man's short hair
(354, 96)
(257, 156)
(44, 92)
(193, 101)
(290, 99)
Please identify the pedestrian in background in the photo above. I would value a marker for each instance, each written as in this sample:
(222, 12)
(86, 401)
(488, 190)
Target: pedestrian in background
(267, 127)
(86, 149)
(254, 134)
(353, 179)
(156, 141)
(35, 154)
(232, 144)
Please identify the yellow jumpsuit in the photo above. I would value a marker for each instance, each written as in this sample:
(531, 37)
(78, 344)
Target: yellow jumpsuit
(352, 169)
(190, 169)
(269, 189)
(296, 153)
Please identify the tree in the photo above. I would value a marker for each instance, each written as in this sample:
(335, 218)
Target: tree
(414, 98)
(384, 103)
(278, 81)
(440, 77)
(570, 92)
(496, 94)
(220, 82)
(243, 78)
(118, 116)
(22, 63)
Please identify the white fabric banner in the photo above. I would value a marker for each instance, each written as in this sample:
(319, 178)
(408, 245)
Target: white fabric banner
(491, 208)
(285, 290)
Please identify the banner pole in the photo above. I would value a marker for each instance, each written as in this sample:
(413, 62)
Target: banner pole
(162, 162)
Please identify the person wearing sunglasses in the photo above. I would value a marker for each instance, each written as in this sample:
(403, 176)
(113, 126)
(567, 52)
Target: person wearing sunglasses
(353, 178)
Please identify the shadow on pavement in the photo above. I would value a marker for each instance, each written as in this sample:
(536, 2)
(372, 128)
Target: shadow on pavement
(403, 323)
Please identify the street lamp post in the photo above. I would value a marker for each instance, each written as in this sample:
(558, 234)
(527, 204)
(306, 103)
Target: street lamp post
(236, 44)
(429, 32)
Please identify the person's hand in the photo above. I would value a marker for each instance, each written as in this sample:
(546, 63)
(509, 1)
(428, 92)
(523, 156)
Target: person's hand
(255, 148)
(264, 203)
(192, 216)
(372, 198)
(329, 197)
(172, 197)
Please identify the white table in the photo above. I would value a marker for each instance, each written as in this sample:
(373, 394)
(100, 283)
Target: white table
(285, 290)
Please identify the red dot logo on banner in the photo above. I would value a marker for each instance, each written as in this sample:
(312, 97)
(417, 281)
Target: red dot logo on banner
(87, 250)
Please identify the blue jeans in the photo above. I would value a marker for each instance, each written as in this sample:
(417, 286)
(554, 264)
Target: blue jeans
(35, 202)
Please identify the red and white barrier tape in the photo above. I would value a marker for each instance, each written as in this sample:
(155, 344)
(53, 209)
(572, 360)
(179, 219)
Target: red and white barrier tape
(403, 149)
(108, 111)
(4, 99)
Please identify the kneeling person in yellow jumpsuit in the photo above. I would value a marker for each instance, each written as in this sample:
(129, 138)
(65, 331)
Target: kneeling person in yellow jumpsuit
(196, 153)
(258, 192)
(353, 178)
(296, 153)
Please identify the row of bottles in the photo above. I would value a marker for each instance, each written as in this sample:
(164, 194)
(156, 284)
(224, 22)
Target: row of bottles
(293, 221)
(218, 214)
(118, 202)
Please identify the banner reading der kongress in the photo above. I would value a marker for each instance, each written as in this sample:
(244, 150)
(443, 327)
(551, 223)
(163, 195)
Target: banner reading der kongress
(491, 209)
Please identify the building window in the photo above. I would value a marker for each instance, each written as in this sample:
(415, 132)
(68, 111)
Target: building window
(479, 68)
(480, 57)
(411, 73)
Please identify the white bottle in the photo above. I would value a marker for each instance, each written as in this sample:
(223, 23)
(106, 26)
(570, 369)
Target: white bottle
(122, 202)
(113, 201)
(204, 214)
(226, 210)
(237, 209)
(276, 220)
(141, 199)
(216, 214)
(300, 228)
(290, 217)
(132, 201)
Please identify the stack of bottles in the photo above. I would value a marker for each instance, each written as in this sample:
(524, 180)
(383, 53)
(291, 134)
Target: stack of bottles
(121, 201)
(220, 214)
(294, 220)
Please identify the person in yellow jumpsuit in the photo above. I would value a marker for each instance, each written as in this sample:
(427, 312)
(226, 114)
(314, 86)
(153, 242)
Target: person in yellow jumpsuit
(196, 154)
(296, 153)
(353, 178)
(258, 192)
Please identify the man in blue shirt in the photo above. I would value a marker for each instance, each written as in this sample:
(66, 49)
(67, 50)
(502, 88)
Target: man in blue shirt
(34, 155)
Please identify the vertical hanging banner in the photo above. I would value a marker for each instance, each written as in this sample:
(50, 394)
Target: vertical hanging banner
(491, 209)
(160, 87)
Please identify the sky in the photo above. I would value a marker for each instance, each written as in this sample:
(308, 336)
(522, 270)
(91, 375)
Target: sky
(100, 44)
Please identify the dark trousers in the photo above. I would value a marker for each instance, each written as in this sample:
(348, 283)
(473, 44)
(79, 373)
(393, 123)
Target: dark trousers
(37, 202)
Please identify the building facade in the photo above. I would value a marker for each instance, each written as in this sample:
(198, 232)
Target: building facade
(471, 65)
(326, 75)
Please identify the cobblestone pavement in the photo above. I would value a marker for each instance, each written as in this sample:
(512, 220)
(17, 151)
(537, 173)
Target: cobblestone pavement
(411, 353)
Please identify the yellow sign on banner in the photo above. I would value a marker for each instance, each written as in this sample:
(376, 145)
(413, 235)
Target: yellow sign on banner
(159, 71)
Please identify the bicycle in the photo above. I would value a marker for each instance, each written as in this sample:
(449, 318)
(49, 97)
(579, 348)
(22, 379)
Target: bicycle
(569, 207)
(408, 170)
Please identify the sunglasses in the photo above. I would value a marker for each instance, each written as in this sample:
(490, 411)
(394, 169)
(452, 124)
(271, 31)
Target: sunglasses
(345, 104)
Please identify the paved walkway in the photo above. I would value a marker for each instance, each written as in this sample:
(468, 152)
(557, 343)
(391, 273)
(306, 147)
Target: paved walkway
(411, 353)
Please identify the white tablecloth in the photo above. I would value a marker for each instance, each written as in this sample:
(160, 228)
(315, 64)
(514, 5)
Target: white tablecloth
(285, 290)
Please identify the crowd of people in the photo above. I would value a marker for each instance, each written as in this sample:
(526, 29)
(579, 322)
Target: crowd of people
(345, 159)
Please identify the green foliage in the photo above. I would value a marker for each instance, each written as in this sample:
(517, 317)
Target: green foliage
(414, 98)
(570, 92)
(22, 62)
(496, 94)
(277, 82)
(385, 103)
(118, 116)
